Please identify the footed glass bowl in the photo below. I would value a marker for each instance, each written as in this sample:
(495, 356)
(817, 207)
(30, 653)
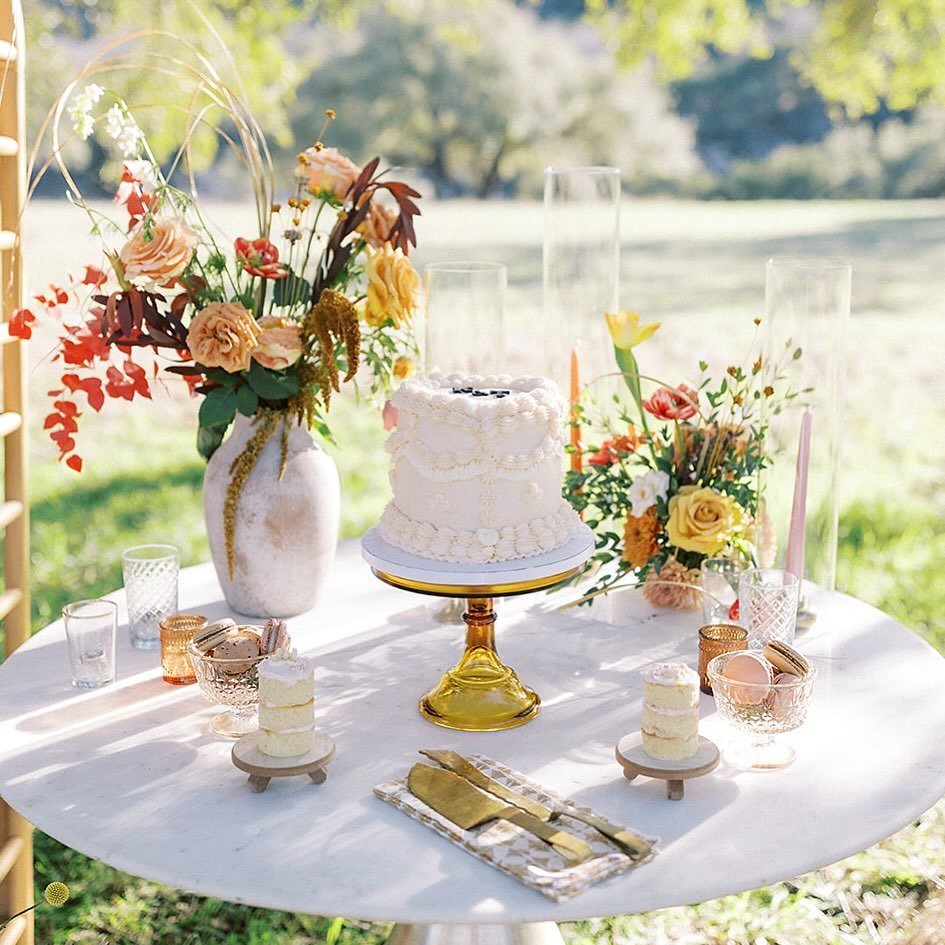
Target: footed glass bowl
(760, 711)
(233, 683)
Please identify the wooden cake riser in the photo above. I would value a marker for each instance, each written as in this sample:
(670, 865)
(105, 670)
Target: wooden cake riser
(262, 768)
(635, 762)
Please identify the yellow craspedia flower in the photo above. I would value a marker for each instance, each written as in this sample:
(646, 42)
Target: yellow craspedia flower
(626, 330)
(56, 894)
(392, 287)
(403, 367)
(703, 520)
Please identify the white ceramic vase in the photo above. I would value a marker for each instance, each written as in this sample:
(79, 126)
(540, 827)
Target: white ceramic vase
(286, 530)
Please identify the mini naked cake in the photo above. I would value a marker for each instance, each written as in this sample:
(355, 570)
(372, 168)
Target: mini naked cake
(286, 705)
(476, 469)
(670, 722)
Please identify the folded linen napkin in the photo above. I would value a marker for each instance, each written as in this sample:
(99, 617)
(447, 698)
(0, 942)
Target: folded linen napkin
(516, 851)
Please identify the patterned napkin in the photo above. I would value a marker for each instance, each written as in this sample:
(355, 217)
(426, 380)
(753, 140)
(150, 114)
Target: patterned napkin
(516, 851)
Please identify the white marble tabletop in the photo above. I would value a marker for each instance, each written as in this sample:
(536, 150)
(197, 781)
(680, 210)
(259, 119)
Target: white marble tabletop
(130, 774)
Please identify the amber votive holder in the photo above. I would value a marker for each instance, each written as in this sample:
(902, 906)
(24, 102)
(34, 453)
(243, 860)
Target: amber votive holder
(177, 631)
(714, 640)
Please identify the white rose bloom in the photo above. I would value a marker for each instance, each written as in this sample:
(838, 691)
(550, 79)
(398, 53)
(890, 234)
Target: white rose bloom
(645, 490)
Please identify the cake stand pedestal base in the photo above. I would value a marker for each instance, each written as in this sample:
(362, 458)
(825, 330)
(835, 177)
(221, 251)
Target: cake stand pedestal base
(528, 933)
(480, 693)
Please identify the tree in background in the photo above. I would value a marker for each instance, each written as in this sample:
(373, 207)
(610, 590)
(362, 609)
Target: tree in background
(478, 98)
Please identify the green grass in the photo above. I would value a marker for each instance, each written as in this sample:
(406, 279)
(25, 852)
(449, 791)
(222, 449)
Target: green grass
(698, 268)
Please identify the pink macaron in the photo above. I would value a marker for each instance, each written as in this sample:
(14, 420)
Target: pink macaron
(753, 672)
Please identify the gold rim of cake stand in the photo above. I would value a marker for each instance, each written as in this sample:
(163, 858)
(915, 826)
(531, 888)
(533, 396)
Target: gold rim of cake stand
(509, 589)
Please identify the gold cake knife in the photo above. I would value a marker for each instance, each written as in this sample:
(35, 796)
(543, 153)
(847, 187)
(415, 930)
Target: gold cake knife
(632, 844)
(467, 807)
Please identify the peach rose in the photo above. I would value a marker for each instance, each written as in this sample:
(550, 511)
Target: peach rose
(223, 335)
(392, 287)
(327, 171)
(377, 225)
(279, 342)
(161, 258)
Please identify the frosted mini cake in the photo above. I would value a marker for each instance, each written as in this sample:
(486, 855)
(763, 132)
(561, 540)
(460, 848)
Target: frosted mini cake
(670, 722)
(286, 705)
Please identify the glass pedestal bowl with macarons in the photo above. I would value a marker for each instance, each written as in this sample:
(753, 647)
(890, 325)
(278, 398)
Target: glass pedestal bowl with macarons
(762, 694)
(225, 657)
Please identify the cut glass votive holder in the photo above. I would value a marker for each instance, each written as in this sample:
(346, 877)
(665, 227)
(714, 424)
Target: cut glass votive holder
(150, 574)
(90, 633)
(767, 605)
(714, 640)
(176, 633)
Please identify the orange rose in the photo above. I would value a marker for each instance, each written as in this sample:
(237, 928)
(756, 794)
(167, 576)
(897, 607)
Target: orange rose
(223, 335)
(279, 343)
(392, 287)
(161, 258)
(377, 225)
(327, 171)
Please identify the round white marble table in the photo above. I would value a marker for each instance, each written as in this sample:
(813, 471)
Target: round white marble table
(130, 774)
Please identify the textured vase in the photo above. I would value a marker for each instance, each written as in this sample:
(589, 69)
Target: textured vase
(286, 530)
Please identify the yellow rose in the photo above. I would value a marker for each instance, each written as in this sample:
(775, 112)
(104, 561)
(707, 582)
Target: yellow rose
(223, 335)
(403, 367)
(702, 520)
(162, 257)
(279, 342)
(392, 287)
(626, 330)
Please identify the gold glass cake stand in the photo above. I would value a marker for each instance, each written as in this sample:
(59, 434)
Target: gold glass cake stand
(480, 693)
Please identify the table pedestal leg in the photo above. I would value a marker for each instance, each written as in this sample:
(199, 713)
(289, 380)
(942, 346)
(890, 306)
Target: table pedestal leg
(480, 693)
(529, 933)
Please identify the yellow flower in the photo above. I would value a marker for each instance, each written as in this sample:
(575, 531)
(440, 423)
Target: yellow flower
(702, 520)
(392, 287)
(626, 330)
(56, 894)
(403, 367)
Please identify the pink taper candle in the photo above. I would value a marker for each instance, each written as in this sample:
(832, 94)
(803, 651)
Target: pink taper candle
(795, 546)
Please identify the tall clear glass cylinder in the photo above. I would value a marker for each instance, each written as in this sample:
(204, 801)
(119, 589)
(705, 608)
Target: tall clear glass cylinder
(807, 302)
(580, 268)
(464, 307)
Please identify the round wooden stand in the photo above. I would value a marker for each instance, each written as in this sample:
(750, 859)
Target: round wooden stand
(634, 761)
(263, 768)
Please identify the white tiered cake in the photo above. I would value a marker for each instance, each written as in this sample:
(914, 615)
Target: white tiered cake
(477, 469)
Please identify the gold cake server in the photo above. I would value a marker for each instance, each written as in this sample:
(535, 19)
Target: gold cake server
(467, 807)
(633, 845)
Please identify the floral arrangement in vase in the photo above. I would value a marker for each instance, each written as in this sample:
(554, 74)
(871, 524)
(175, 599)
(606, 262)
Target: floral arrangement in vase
(674, 478)
(267, 325)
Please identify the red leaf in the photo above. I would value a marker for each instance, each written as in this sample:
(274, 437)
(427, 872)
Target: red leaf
(67, 407)
(19, 324)
(75, 462)
(52, 421)
(94, 276)
(62, 439)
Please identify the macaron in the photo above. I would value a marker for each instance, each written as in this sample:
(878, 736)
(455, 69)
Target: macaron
(785, 659)
(241, 649)
(753, 672)
(782, 696)
(274, 636)
(213, 634)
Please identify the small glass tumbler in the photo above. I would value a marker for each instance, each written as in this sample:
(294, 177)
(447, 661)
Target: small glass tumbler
(767, 605)
(90, 632)
(714, 640)
(720, 583)
(176, 633)
(150, 573)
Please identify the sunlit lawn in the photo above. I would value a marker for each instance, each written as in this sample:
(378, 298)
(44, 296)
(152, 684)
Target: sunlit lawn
(700, 269)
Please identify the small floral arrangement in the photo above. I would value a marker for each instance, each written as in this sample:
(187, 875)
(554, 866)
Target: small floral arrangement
(674, 478)
(270, 324)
